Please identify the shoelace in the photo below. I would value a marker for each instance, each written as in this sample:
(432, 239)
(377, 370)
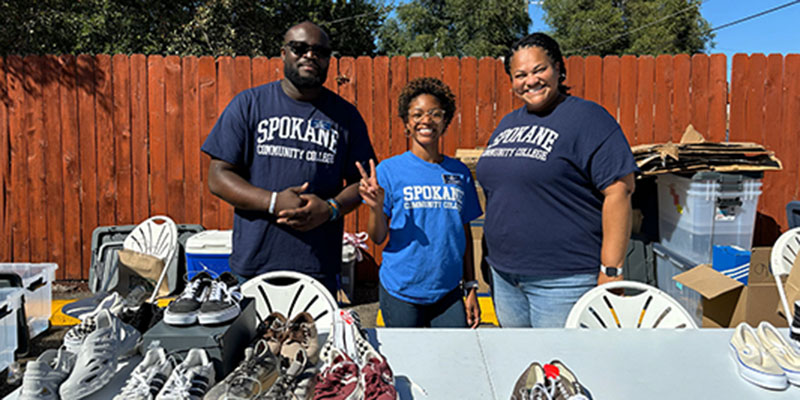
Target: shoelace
(222, 292)
(193, 291)
(136, 385)
(537, 392)
(181, 385)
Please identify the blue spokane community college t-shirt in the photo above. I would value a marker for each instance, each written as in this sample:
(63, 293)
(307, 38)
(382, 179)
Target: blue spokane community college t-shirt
(428, 205)
(277, 142)
(543, 177)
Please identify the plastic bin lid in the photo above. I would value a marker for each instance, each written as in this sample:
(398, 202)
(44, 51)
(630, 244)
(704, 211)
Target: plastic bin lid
(10, 296)
(210, 242)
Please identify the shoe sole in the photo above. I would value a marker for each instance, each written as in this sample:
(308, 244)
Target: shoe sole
(218, 317)
(180, 319)
(763, 379)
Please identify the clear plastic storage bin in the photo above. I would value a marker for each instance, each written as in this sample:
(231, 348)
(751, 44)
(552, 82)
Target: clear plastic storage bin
(37, 281)
(710, 208)
(9, 305)
(669, 264)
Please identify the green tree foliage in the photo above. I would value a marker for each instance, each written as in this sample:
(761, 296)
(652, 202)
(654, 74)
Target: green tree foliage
(454, 27)
(617, 27)
(184, 27)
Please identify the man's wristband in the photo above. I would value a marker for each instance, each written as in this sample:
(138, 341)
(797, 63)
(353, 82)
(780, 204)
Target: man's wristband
(335, 209)
(468, 285)
(272, 199)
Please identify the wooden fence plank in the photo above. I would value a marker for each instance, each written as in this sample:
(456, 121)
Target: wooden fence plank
(469, 94)
(18, 177)
(718, 98)
(450, 78)
(486, 100)
(70, 169)
(700, 96)
(575, 76)
(121, 82)
(193, 180)
(260, 71)
(739, 89)
(772, 184)
(207, 88)
(106, 175)
(644, 102)
(381, 133)
(365, 103)
(610, 90)
(662, 130)
(156, 95)
(54, 189)
(505, 96)
(348, 91)
(85, 81)
(37, 150)
(226, 90)
(627, 97)
(681, 104)
(5, 167)
(140, 180)
(791, 126)
(754, 111)
(331, 81)
(173, 90)
(416, 68)
(276, 69)
(593, 80)
(399, 78)
(433, 67)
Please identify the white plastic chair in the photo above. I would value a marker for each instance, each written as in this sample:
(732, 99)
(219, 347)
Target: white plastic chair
(291, 293)
(781, 259)
(156, 236)
(652, 308)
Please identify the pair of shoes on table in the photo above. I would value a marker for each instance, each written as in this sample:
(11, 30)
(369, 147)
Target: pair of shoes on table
(98, 356)
(553, 381)
(206, 300)
(763, 357)
(159, 377)
(255, 375)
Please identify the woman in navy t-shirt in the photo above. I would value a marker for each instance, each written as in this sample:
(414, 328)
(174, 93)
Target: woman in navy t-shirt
(558, 176)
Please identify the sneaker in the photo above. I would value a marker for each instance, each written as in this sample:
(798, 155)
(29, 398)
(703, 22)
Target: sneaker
(338, 380)
(783, 353)
(184, 310)
(531, 384)
(43, 376)
(564, 384)
(78, 333)
(191, 379)
(794, 330)
(143, 317)
(301, 333)
(275, 334)
(222, 304)
(96, 363)
(148, 378)
(296, 381)
(755, 364)
(254, 376)
(377, 378)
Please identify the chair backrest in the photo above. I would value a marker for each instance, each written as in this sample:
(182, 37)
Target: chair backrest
(651, 308)
(793, 214)
(156, 236)
(784, 252)
(291, 293)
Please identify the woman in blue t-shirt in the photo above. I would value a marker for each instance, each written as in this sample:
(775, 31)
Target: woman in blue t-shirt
(558, 176)
(424, 202)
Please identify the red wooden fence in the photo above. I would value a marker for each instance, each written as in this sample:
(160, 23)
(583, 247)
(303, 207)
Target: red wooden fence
(89, 141)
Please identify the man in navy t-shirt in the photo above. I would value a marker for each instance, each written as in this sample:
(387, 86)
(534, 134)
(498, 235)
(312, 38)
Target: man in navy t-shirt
(283, 154)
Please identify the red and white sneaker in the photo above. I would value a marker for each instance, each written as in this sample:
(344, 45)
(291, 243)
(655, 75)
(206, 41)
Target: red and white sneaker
(339, 380)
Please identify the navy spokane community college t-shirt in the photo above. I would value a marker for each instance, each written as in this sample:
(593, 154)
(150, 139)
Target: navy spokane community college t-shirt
(543, 177)
(277, 142)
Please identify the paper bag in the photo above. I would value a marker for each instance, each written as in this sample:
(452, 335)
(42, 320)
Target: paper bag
(142, 269)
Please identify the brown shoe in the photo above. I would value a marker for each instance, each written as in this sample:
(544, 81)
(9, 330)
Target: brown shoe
(531, 384)
(301, 332)
(276, 332)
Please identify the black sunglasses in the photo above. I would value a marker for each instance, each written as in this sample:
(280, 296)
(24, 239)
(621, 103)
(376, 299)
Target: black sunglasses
(300, 48)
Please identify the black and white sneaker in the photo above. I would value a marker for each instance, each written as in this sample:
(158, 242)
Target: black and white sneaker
(222, 304)
(184, 310)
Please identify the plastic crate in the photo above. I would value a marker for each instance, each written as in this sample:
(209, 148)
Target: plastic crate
(37, 281)
(9, 305)
(705, 210)
(208, 251)
(669, 264)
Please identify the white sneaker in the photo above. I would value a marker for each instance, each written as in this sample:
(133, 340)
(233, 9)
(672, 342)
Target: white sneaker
(780, 349)
(99, 355)
(755, 364)
(43, 376)
(78, 333)
(149, 377)
(191, 379)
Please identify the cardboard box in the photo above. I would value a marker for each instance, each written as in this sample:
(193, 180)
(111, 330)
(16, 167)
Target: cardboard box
(727, 302)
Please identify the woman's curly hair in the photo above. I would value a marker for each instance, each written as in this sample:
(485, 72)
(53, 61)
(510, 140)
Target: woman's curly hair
(433, 87)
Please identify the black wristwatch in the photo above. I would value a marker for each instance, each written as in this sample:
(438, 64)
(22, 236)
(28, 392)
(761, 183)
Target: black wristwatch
(610, 271)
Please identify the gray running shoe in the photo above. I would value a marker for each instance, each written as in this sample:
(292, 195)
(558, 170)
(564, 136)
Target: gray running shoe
(184, 310)
(255, 376)
(149, 377)
(191, 379)
(43, 376)
(297, 379)
(563, 384)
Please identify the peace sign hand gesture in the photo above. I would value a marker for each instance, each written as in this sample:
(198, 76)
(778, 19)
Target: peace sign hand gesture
(368, 188)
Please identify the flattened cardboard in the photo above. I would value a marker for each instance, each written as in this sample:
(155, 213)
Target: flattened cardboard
(706, 281)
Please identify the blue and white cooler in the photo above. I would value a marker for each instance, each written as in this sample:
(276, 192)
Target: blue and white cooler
(208, 251)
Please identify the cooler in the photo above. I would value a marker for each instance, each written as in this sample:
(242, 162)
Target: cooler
(208, 251)
(705, 210)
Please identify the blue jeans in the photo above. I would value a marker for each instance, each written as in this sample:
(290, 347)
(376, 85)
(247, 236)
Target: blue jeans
(446, 313)
(522, 301)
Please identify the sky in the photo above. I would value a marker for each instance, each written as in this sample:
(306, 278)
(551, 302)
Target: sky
(776, 32)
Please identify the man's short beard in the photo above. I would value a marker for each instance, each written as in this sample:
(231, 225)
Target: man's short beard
(302, 82)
